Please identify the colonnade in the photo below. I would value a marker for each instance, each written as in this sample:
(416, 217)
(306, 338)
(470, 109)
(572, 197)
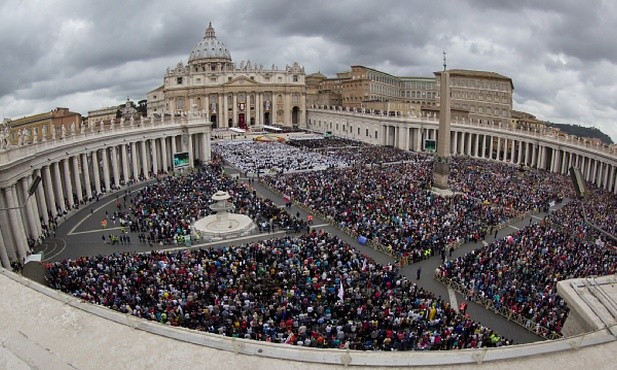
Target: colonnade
(75, 173)
(518, 147)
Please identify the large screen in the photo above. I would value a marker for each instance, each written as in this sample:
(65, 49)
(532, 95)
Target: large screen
(181, 160)
(430, 144)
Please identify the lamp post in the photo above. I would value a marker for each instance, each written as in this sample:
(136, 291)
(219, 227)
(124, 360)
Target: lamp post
(579, 187)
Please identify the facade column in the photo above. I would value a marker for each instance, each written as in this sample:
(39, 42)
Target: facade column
(41, 201)
(96, 172)
(34, 225)
(190, 150)
(206, 112)
(519, 157)
(144, 160)
(258, 107)
(206, 150)
(79, 191)
(67, 182)
(534, 156)
(234, 110)
(454, 140)
(553, 160)
(483, 147)
(58, 187)
(594, 176)
(17, 225)
(527, 151)
(498, 148)
(49, 192)
(220, 117)
(226, 111)
(174, 148)
(86, 171)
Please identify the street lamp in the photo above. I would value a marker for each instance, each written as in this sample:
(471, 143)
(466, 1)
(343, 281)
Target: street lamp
(31, 190)
(579, 187)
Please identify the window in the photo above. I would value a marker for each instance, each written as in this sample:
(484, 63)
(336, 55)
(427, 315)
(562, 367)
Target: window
(199, 80)
(295, 78)
(179, 80)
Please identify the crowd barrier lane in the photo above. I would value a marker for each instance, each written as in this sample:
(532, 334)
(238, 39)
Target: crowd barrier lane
(488, 304)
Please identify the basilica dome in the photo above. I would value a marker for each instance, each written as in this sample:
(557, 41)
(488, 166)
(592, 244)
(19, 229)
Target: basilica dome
(209, 48)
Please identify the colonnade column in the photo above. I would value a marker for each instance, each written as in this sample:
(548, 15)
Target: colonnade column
(78, 189)
(114, 166)
(58, 187)
(34, 224)
(134, 161)
(4, 255)
(86, 171)
(96, 172)
(164, 154)
(17, 225)
(41, 201)
(67, 183)
(106, 175)
(49, 192)
(144, 160)
(483, 147)
(155, 162)
(125, 163)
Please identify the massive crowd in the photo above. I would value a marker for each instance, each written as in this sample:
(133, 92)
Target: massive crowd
(312, 290)
(252, 157)
(521, 272)
(392, 204)
(163, 211)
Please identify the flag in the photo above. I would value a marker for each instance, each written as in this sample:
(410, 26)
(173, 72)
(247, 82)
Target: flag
(364, 265)
(341, 291)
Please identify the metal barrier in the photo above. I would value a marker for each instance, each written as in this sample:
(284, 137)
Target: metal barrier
(488, 304)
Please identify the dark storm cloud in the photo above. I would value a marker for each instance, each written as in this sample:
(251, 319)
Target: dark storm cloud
(89, 54)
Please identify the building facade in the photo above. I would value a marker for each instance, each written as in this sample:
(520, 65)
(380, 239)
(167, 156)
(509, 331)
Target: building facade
(487, 96)
(41, 126)
(246, 96)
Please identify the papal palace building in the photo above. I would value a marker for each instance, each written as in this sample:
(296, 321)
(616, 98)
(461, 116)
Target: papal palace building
(241, 96)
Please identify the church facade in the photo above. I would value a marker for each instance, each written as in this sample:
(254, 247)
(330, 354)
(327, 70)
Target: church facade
(247, 96)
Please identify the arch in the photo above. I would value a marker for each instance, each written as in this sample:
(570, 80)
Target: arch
(295, 116)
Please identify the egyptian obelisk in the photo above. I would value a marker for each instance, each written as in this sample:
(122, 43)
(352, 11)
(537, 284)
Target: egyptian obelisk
(441, 167)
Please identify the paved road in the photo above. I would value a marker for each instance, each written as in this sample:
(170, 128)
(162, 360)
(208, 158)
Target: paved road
(81, 234)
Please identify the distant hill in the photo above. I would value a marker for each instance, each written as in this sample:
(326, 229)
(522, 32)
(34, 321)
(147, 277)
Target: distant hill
(590, 132)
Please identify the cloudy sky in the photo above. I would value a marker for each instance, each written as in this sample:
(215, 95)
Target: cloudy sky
(85, 55)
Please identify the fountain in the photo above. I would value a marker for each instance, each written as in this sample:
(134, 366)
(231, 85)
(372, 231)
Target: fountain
(223, 224)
